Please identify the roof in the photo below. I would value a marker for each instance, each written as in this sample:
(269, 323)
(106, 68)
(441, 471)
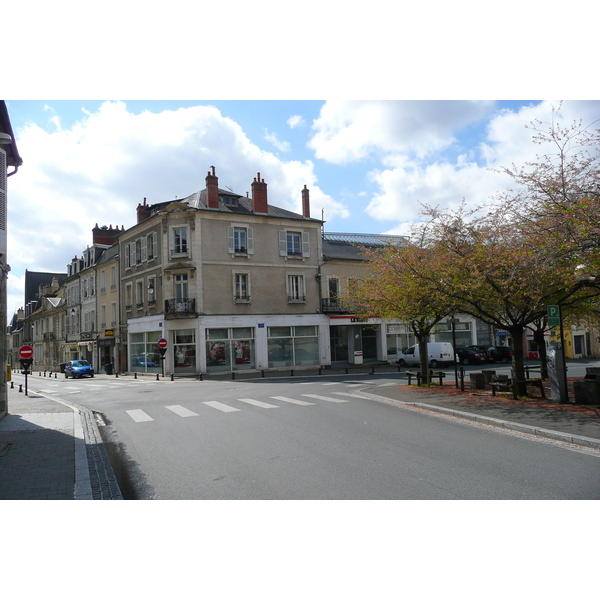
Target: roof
(350, 246)
(198, 201)
(12, 153)
(33, 279)
(109, 254)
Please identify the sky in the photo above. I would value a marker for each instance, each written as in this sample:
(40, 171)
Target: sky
(369, 165)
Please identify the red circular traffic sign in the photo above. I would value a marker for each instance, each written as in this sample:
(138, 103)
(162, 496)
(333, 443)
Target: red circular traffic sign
(162, 343)
(26, 352)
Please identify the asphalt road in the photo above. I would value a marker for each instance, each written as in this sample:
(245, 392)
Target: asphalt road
(313, 438)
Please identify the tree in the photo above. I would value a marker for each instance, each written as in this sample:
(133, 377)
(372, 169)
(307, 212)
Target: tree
(394, 289)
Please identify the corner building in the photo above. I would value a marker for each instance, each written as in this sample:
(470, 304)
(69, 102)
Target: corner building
(230, 281)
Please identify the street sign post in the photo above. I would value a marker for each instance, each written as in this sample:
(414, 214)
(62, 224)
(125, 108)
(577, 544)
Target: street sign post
(26, 358)
(162, 347)
(559, 364)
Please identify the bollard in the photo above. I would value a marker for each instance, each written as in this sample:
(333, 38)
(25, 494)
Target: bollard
(116, 376)
(462, 379)
(346, 370)
(40, 374)
(12, 385)
(20, 389)
(44, 373)
(232, 374)
(54, 375)
(320, 370)
(135, 375)
(200, 376)
(372, 370)
(262, 373)
(292, 374)
(172, 377)
(157, 378)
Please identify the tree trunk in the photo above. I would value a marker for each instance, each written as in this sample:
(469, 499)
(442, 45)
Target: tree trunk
(424, 356)
(518, 367)
(540, 342)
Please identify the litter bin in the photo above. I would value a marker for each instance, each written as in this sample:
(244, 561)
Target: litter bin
(477, 381)
(588, 390)
(109, 368)
(8, 372)
(62, 367)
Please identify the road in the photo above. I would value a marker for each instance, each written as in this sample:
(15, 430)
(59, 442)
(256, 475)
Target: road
(311, 438)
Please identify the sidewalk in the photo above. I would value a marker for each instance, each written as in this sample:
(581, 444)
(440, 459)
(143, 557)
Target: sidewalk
(52, 450)
(571, 423)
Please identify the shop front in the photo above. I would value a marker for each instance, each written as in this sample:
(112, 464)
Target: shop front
(355, 340)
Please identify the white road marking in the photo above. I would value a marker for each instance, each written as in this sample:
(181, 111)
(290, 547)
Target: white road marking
(139, 416)
(331, 383)
(324, 398)
(257, 403)
(293, 401)
(348, 394)
(221, 406)
(182, 411)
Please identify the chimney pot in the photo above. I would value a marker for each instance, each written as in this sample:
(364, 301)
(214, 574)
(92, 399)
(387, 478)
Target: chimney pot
(259, 195)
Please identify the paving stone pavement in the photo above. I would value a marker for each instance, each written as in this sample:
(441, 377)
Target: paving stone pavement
(52, 450)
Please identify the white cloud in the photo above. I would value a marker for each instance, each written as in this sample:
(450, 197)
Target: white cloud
(296, 121)
(282, 146)
(101, 168)
(349, 131)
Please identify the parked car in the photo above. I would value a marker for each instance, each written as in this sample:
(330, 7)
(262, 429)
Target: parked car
(468, 357)
(483, 351)
(78, 368)
(501, 353)
(142, 361)
(439, 353)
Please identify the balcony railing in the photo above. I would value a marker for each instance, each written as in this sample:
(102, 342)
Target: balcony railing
(336, 305)
(183, 307)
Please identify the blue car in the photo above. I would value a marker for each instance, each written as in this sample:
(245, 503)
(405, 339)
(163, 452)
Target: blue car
(78, 368)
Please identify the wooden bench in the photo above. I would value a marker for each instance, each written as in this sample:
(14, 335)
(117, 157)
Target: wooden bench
(437, 374)
(505, 385)
(411, 374)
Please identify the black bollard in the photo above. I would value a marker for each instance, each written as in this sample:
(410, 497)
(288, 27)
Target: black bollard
(262, 373)
(157, 378)
(20, 389)
(172, 377)
(292, 372)
(135, 375)
(12, 385)
(116, 376)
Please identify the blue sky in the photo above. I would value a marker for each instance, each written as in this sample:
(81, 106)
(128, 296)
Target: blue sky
(368, 164)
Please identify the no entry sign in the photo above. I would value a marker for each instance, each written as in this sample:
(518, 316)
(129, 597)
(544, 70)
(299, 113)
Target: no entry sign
(162, 343)
(25, 352)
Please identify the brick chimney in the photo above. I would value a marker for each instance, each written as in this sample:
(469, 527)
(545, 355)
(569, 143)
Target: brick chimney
(305, 203)
(212, 190)
(107, 236)
(143, 211)
(259, 195)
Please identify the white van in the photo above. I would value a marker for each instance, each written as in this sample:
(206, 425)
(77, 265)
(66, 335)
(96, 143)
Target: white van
(439, 353)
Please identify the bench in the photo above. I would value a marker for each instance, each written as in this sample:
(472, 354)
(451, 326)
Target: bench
(411, 374)
(505, 385)
(437, 374)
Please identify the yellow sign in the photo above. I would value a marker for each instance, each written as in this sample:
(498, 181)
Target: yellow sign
(109, 332)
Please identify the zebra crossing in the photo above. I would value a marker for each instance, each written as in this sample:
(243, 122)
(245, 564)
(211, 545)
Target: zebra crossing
(237, 405)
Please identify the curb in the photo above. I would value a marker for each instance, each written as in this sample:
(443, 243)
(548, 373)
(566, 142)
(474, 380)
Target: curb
(94, 476)
(559, 436)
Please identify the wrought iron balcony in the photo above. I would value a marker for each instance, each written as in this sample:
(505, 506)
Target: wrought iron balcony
(336, 305)
(180, 308)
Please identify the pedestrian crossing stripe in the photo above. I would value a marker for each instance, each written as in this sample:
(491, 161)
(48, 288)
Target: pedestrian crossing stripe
(349, 394)
(326, 398)
(182, 411)
(220, 406)
(257, 403)
(293, 401)
(139, 416)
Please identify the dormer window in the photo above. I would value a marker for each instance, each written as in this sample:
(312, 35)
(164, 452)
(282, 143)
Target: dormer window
(230, 201)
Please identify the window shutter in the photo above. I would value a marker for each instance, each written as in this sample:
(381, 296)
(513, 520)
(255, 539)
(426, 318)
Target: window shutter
(3, 194)
(154, 245)
(282, 242)
(250, 241)
(127, 257)
(132, 253)
(144, 249)
(230, 240)
(305, 244)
